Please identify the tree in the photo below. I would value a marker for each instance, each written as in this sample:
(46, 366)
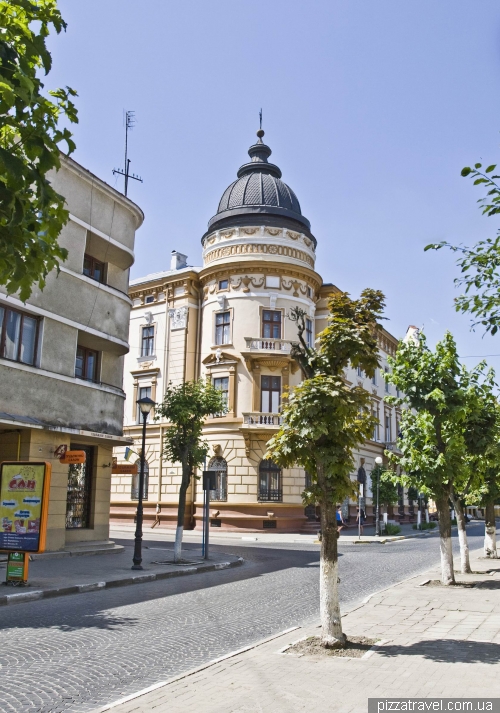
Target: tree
(447, 421)
(324, 421)
(32, 213)
(480, 264)
(387, 489)
(186, 406)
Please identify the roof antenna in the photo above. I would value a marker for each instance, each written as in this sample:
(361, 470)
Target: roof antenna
(129, 125)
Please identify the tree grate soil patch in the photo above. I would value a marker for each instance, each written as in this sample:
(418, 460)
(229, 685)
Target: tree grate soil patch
(457, 585)
(356, 647)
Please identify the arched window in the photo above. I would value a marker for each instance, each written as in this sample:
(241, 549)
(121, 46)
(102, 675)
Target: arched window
(270, 488)
(220, 466)
(134, 495)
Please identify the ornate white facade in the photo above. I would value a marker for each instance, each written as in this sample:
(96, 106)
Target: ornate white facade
(228, 320)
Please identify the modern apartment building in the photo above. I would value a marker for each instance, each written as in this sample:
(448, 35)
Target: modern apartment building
(61, 357)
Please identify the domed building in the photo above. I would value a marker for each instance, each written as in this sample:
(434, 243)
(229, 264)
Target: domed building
(227, 320)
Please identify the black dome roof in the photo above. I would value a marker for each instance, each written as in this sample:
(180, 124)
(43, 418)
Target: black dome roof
(259, 191)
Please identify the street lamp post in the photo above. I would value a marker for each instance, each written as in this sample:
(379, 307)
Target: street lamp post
(378, 462)
(145, 405)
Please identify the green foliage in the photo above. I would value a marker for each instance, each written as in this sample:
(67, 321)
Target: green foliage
(449, 420)
(388, 490)
(480, 264)
(185, 407)
(391, 529)
(324, 419)
(425, 526)
(32, 213)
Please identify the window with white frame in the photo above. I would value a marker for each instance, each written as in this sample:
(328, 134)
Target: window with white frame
(18, 335)
(223, 328)
(221, 383)
(386, 369)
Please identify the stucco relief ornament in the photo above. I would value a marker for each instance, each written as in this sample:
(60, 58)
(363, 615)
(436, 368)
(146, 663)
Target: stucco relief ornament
(218, 356)
(291, 234)
(273, 231)
(250, 231)
(178, 317)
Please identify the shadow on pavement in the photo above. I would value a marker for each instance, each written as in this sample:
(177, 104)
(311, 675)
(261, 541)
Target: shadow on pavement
(447, 651)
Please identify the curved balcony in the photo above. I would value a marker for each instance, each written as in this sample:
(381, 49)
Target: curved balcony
(261, 344)
(262, 420)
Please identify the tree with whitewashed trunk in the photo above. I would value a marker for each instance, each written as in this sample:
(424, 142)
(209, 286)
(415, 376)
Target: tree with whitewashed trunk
(324, 421)
(186, 406)
(449, 419)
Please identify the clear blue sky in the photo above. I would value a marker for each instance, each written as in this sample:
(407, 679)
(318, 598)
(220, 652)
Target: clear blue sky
(371, 109)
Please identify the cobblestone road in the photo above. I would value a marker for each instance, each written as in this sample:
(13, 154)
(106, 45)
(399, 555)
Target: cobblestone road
(78, 652)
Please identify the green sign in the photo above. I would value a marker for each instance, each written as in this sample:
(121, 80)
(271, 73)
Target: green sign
(15, 566)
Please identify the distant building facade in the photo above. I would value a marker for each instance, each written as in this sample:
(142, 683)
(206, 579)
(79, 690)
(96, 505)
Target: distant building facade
(227, 320)
(61, 357)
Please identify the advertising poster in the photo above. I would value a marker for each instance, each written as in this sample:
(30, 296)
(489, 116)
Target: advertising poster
(21, 505)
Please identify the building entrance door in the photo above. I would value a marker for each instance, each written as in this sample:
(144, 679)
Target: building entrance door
(79, 490)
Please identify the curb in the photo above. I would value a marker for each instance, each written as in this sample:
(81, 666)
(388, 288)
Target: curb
(21, 597)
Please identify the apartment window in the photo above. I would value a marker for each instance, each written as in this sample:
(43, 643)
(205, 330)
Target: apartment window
(270, 394)
(93, 268)
(148, 341)
(388, 429)
(376, 428)
(223, 328)
(220, 466)
(134, 494)
(223, 284)
(386, 369)
(18, 335)
(149, 299)
(360, 372)
(309, 333)
(222, 384)
(374, 378)
(142, 393)
(309, 292)
(86, 364)
(270, 489)
(271, 324)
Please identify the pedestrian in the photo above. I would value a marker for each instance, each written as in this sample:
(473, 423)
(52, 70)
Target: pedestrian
(340, 520)
(360, 518)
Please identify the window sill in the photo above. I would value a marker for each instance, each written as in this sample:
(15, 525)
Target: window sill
(219, 346)
(151, 357)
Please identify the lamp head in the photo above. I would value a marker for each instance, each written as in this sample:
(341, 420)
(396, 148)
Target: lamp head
(146, 404)
(378, 460)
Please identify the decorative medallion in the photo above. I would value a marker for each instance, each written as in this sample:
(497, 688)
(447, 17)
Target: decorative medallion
(178, 317)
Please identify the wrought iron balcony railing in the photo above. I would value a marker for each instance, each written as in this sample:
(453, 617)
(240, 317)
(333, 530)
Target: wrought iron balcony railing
(270, 496)
(261, 419)
(257, 344)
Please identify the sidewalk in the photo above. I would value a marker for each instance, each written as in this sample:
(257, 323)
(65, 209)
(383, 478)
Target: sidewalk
(52, 577)
(350, 534)
(429, 637)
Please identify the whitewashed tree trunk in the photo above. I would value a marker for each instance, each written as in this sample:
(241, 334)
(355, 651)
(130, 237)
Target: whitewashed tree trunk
(447, 573)
(462, 536)
(178, 543)
(186, 477)
(331, 623)
(490, 531)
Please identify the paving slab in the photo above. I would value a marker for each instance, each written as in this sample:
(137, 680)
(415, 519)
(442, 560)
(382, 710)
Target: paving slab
(455, 653)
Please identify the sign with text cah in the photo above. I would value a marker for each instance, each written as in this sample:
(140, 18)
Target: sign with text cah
(24, 504)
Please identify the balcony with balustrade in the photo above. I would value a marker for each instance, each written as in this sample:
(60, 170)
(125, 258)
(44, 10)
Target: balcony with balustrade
(258, 419)
(265, 345)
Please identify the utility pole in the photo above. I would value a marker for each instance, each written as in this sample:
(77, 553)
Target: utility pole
(129, 125)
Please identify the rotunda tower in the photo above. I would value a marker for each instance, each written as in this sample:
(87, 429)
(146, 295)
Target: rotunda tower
(258, 263)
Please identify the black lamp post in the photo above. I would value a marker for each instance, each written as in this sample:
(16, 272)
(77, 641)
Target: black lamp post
(378, 462)
(145, 405)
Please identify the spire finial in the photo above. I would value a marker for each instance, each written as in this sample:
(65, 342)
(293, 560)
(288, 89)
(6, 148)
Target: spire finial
(260, 132)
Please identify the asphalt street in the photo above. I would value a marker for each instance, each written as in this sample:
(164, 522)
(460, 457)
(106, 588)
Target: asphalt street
(79, 652)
